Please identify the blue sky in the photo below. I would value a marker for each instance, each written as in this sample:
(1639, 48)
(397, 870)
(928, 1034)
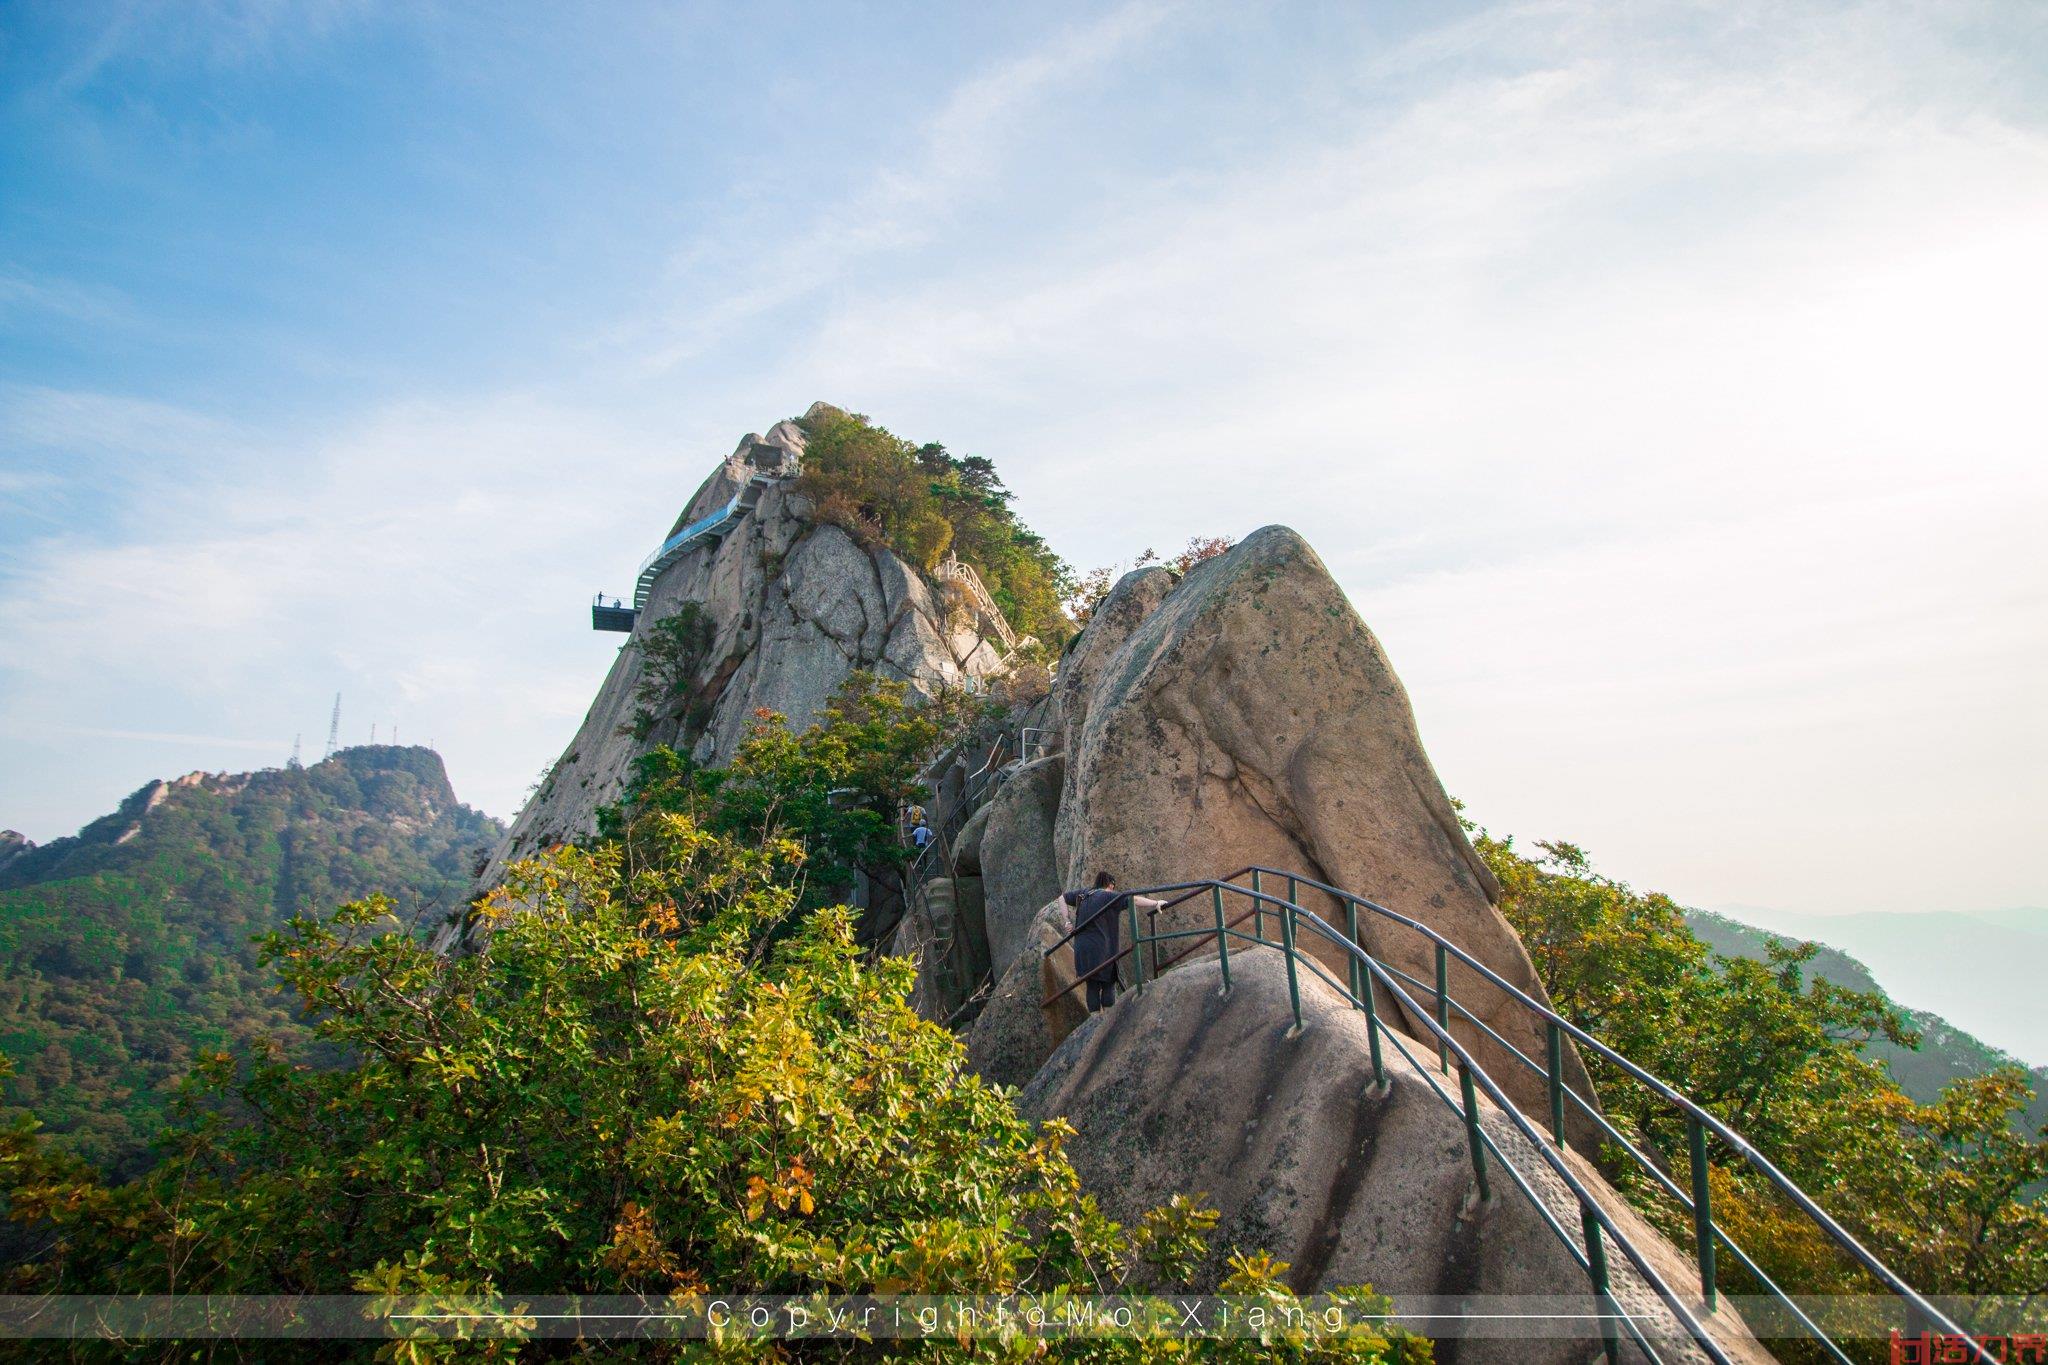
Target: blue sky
(1661, 380)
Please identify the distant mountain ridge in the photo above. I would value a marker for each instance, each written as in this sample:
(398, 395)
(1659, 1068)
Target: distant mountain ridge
(1981, 971)
(1946, 1052)
(125, 949)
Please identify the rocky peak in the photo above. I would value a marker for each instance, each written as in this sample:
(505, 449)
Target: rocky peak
(14, 844)
(786, 608)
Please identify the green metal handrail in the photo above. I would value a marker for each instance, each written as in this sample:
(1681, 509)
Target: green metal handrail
(1364, 971)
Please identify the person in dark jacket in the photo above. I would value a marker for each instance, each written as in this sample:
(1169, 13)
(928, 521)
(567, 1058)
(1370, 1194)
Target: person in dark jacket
(1098, 916)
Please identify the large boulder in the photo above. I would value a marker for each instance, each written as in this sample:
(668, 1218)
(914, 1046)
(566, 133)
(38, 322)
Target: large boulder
(1115, 619)
(1015, 854)
(1184, 1088)
(1251, 718)
(1017, 1030)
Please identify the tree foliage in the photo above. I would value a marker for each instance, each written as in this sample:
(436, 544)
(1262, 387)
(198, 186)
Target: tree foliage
(673, 652)
(1947, 1194)
(923, 501)
(657, 1076)
(1085, 593)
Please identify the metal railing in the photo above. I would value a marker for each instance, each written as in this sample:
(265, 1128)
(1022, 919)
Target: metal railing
(975, 792)
(712, 527)
(954, 569)
(1367, 974)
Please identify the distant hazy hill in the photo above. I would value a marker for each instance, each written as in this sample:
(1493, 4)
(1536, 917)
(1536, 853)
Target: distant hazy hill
(127, 948)
(1946, 1052)
(1983, 972)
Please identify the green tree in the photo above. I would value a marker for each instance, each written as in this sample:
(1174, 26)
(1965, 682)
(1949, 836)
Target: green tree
(1947, 1194)
(129, 949)
(640, 1084)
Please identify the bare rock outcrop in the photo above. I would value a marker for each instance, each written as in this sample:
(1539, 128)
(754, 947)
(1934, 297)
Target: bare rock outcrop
(1183, 1088)
(793, 606)
(1015, 853)
(1245, 715)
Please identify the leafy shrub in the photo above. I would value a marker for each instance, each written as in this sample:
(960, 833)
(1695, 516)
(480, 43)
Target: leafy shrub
(1085, 593)
(642, 1083)
(922, 502)
(673, 652)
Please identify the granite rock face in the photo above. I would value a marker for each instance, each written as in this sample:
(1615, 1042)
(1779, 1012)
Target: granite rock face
(1182, 1087)
(1015, 853)
(1016, 1032)
(1243, 715)
(794, 606)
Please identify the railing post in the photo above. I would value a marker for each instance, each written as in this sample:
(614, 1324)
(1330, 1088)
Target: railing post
(1351, 932)
(1443, 1009)
(1293, 971)
(1556, 1042)
(1472, 1138)
(1258, 910)
(1372, 1033)
(1596, 1270)
(1702, 1207)
(1137, 955)
(1222, 938)
(1152, 927)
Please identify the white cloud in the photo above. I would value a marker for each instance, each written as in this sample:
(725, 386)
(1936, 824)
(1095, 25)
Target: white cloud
(83, 422)
(959, 149)
(428, 562)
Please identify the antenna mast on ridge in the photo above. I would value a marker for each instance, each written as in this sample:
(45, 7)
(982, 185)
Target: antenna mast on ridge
(295, 751)
(333, 729)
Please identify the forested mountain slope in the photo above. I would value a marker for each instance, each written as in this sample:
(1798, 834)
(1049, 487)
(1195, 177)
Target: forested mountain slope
(1946, 1053)
(128, 948)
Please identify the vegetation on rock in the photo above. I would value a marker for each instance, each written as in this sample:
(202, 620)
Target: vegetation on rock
(128, 950)
(1086, 592)
(922, 501)
(673, 652)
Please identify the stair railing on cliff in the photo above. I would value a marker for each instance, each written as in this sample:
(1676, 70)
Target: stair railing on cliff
(975, 793)
(711, 527)
(1368, 977)
(953, 569)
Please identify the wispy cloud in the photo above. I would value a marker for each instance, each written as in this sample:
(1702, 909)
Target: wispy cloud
(157, 737)
(961, 145)
(80, 422)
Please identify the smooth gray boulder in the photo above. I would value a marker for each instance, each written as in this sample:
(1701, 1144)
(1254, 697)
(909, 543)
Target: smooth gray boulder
(1182, 1088)
(1250, 717)
(1019, 872)
(1115, 619)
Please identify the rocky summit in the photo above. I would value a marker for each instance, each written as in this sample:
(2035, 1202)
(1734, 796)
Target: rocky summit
(787, 605)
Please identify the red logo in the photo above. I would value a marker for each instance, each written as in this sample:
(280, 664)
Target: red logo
(1942, 1348)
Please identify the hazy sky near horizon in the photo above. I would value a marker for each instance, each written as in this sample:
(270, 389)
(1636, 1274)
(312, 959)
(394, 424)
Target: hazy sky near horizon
(1663, 382)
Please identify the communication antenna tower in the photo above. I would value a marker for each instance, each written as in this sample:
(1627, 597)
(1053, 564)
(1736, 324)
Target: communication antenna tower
(333, 729)
(295, 752)
(373, 732)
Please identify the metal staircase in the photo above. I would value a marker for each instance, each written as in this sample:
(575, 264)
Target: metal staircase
(952, 570)
(1243, 898)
